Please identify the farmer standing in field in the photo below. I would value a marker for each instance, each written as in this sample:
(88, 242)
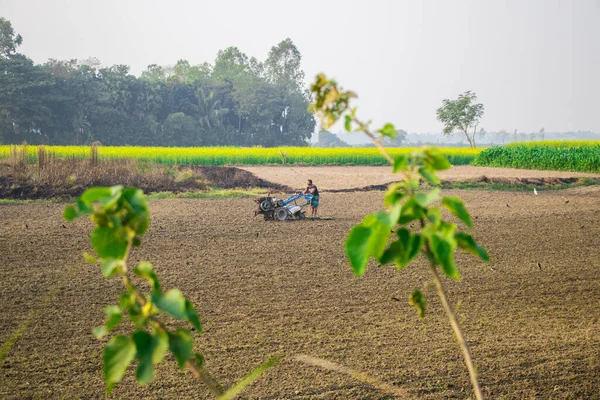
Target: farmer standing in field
(314, 203)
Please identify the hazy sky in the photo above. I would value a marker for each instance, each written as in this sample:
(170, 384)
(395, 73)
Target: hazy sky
(533, 63)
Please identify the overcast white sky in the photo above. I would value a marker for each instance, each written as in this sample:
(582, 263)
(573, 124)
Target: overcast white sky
(533, 63)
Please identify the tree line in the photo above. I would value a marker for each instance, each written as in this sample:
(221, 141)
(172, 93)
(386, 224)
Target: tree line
(237, 101)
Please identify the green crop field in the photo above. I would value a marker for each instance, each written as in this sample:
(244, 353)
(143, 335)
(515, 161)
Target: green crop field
(577, 156)
(242, 155)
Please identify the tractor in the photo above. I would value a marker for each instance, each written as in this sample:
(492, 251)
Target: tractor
(273, 208)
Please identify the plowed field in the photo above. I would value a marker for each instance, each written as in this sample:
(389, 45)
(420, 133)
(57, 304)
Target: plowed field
(265, 288)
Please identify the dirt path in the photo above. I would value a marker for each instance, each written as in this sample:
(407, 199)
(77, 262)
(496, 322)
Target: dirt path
(265, 288)
(335, 178)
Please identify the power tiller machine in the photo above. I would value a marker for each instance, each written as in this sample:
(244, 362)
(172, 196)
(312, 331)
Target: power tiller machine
(272, 208)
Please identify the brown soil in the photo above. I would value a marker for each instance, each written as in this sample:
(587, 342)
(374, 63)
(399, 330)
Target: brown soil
(265, 288)
(336, 178)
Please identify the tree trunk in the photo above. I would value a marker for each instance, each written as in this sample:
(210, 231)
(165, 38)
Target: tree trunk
(469, 138)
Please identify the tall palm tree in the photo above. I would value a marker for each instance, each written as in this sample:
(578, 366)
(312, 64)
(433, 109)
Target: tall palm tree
(210, 112)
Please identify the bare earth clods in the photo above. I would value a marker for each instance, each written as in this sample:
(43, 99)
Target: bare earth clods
(265, 288)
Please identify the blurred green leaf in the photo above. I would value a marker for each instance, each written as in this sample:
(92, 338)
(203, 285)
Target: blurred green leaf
(403, 250)
(429, 175)
(356, 248)
(180, 343)
(434, 215)
(393, 194)
(108, 242)
(111, 266)
(199, 360)
(151, 349)
(348, 123)
(466, 242)
(399, 163)
(192, 315)
(70, 213)
(114, 317)
(424, 199)
(145, 270)
(118, 354)
(443, 252)
(388, 130)
(435, 159)
(172, 302)
(455, 205)
(100, 331)
(417, 299)
(89, 258)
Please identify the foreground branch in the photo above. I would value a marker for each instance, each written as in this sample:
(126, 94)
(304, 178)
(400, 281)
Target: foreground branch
(457, 332)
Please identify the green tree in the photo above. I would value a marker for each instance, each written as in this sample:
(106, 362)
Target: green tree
(282, 66)
(8, 40)
(328, 139)
(397, 141)
(230, 64)
(462, 114)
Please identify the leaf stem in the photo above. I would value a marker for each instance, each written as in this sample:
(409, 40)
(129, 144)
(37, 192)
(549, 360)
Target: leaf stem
(457, 331)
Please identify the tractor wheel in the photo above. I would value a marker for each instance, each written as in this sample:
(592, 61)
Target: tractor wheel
(265, 205)
(302, 215)
(282, 214)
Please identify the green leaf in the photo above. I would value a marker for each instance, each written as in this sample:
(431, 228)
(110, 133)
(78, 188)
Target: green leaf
(118, 354)
(388, 130)
(70, 213)
(180, 343)
(94, 194)
(114, 317)
(236, 389)
(424, 199)
(199, 360)
(140, 220)
(100, 331)
(106, 196)
(126, 300)
(434, 215)
(192, 315)
(466, 242)
(435, 159)
(84, 208)
(151, 348)
(172, 302)
(109, 242)
(356, 248)
(417, 299)
(145, 270)
(455, 205)
(137, 316)
(143, 344)
(443, 252)
(399, 163)
(429, 175)
(404, 250)
(393, 194)
(348, 123)
(111, 266)
(89, 258)
(411, 211)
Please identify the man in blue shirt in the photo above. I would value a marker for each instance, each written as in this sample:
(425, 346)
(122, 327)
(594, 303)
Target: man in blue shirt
(314, 203)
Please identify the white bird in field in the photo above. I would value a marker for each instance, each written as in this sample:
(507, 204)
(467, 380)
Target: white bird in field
(534, 191)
